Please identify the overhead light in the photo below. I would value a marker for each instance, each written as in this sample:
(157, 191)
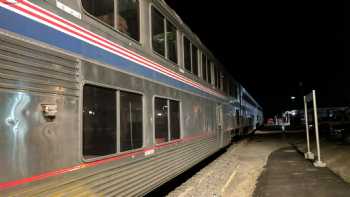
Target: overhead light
(293, 97)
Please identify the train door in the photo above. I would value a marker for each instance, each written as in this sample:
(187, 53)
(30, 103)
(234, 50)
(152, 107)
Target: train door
(220, 123)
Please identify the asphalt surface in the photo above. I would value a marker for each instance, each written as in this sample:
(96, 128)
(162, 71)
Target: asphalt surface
(288, 174)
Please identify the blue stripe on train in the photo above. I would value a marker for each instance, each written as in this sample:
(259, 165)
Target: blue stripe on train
(19, 24)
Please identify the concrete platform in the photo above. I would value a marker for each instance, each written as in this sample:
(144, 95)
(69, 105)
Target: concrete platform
(288, 174)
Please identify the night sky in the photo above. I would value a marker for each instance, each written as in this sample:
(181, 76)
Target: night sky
(277, 49)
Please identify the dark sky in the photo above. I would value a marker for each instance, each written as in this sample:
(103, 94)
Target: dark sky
(273, 47)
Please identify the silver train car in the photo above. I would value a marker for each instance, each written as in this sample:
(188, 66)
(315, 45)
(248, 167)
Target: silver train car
(108, 98)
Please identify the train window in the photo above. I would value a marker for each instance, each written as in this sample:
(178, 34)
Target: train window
(224, 83)
(101, 9)
(215, 79)
(171, 35)
(99, 121)
(161, 120)
(167, 120)
(219, 80)
(187, 54)
(190, 56)
(174, 120)
(131, 127)
(194, 60)
(164, 36)
(204, 67)
(209, 70)
(128, 18)
(234, 89)
(158, 36)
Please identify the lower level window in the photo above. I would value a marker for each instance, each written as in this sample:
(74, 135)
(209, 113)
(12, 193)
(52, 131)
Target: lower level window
(100, 125)
(130, 121)
(167, 120)
(99, 121)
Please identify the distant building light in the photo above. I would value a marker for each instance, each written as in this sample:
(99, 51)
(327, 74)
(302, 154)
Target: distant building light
(293, 97)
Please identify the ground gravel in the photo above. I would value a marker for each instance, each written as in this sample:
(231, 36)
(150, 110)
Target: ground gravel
(235, 173)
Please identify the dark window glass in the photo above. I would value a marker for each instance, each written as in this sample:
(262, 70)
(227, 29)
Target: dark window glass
(209, 71)
(204, 67)
(99, 121)
(234, 89)
(161, 120)
(219, 79)
(194, 60)
(215, 77)
(172, 42)
(130, 121)
(174, 120)
(128, 18)
(224, 83)
(101, 9)
(158, 36)
(228, 86)
(187, 54)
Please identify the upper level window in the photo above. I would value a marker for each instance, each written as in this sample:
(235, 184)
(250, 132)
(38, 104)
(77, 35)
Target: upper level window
(171, 38)
(209, 71)
(126, 20)
(194, 60)
(190, 56)
(225, 84)
(204, 67)
(158, 36)
(101, 9)
(164, 36)
(217, 78)
(187, 54)
(233, 89)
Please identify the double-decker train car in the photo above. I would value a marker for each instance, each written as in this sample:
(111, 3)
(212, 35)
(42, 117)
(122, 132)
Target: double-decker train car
(108, 98)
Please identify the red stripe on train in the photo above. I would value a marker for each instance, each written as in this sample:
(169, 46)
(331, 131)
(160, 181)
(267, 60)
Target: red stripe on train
(7, 185)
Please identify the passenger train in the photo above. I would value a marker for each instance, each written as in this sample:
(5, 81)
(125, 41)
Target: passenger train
(108, 98)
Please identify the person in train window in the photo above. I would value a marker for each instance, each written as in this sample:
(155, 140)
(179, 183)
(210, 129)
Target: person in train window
(107, 18)
(122, 25)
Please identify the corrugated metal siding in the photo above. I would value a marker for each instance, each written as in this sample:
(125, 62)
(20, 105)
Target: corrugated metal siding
(24, 66)
(131, 179)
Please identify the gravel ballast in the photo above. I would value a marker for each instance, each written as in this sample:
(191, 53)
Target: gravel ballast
(234, 173)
